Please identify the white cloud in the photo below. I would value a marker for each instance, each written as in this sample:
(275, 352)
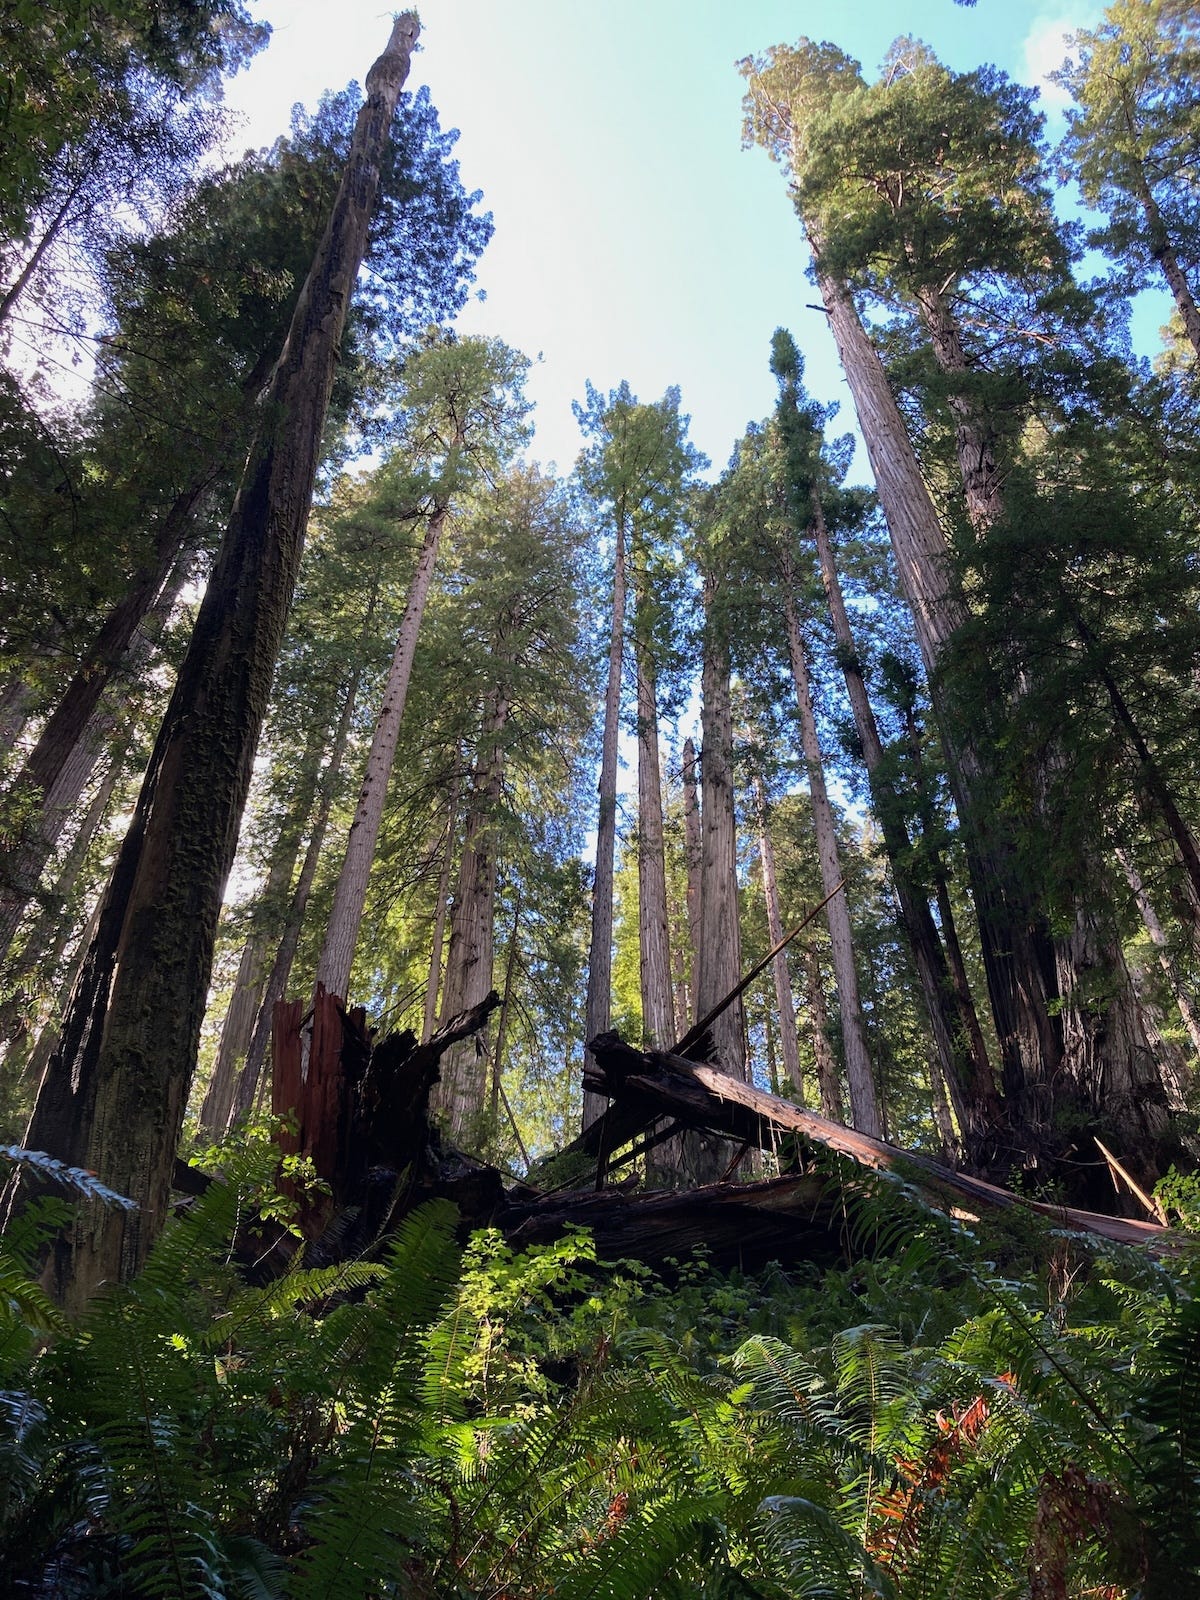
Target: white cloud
(1044, 51)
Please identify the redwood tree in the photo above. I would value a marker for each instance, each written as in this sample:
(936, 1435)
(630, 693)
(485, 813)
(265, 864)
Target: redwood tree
(114, 1096)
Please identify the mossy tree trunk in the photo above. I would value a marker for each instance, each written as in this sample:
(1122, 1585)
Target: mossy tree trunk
(114, 1095)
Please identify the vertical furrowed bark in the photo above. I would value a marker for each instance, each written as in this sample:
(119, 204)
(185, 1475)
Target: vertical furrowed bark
(114, 1096)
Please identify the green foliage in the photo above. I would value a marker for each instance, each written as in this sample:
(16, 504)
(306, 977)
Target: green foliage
(920, 1422)
(1132, 133)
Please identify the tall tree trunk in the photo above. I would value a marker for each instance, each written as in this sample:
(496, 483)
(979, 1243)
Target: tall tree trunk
(784, 1000)
(864, 1104)
(51, 933)
(50, 233)
(434, 987)
(1158, 242)
(1017, 953)
(719, 954)
(350, 895)
(828, 1083)
(42, 1054)
(1154, 791)
(25, 860)
(238, 1027)
(974, 435)
(114, 1096)
(1110, 1066)
(598, 1006)
(460, 1094)
(693, 854)
(510, 968)
(107, 653)
(658, 1018)
(1158, 938)
(1099, 1039)
(246, 1087)
(958, 1041)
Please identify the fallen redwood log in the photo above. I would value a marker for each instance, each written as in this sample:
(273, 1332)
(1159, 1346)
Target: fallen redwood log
(646, 1086)
(742, 1225)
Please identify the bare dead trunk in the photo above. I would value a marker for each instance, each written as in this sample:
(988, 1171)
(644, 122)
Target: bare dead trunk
(598, 1006)
(460, 1095)
(864, 1105)
(784, 1000)
(350, 895)
(114, 1096)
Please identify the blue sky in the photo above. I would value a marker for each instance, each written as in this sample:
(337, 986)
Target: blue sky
(634, 238)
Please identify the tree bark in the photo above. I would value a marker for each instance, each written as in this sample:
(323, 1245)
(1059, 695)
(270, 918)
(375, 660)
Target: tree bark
(1159, 940)
(784, 999)
(1100, 1039)
(693, 854)
(658, 1017)
(350, 895)
(246, 1088)
(434, 986)
(958, 1041)
(829, 1085)
(510, 967)
(114, 1096)
(719, 954)
(460, 1094)
(1017, 953)
(598, 1005)
(1109, 1064)
(974, 436)
(864, 1104)
(1158, 242)
(25, 859)
(51, 933)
